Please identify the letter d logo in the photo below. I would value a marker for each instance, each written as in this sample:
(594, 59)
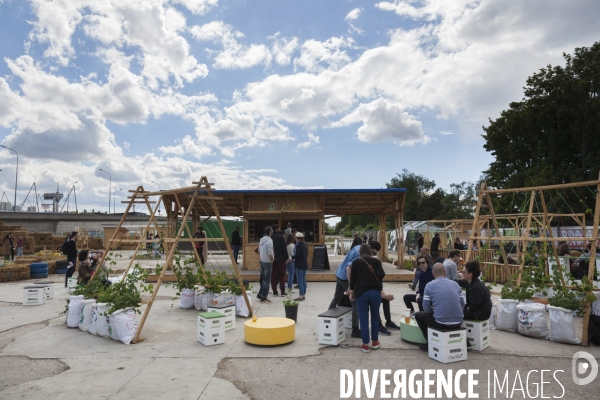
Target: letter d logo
(580, 367)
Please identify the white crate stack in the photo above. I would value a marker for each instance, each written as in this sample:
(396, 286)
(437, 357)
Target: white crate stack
(33, 296)
(228, 311)
(71, 283)
(447, 346)
(478, 334)
(211, 328)
(331, 330)
(48, 286)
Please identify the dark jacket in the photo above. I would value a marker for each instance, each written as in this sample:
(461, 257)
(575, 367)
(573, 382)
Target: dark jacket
(301, 256)
(85, 271)
(425, 277)
(279, 247)
(478, 298)
(356, 242)
(361, 277)
(235, 239)
(435, 244)
(71, 247)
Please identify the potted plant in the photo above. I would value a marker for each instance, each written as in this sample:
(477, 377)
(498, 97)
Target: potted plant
(291, 307)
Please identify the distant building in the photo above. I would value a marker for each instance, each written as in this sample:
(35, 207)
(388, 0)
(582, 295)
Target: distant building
(5, 206)
(31, 209)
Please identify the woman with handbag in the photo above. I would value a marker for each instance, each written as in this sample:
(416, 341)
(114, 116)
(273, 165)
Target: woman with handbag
(365, 287)
(300, 258)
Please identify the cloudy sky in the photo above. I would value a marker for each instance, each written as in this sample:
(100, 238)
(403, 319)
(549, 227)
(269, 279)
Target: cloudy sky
(266, 93)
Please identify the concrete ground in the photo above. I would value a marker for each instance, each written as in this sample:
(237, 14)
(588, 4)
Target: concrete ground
(40, 357)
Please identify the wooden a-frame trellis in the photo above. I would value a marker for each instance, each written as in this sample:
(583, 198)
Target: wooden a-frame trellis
(522, 234)
(202, 192)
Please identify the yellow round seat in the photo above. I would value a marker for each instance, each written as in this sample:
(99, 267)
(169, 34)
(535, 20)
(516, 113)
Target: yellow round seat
(269, 331)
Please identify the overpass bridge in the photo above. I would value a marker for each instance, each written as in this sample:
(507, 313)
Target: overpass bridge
(59, 223)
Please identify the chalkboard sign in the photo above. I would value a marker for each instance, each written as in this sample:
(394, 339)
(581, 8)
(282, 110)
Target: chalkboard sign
(320, 258)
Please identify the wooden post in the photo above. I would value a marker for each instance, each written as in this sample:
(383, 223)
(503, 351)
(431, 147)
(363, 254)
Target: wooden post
(475, 221)
(531, 201)
(554, 250)
(382, 237)
(495, 223)
(169, 261)
(592, 267)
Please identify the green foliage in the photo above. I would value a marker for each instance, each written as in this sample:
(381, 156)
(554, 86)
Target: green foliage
(186, 277)
(289, 302)
(409, 264)
(551, 135)
(575, 299)
(128, 292)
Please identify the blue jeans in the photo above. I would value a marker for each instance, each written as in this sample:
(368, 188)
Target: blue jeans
(236, 251)
(265, 272)
(290, 271)
(369, 301)
(301, 277)
(19, 251)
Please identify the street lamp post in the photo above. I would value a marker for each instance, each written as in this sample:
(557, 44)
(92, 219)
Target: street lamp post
(16, 175)
(114, 194)
(109, 186)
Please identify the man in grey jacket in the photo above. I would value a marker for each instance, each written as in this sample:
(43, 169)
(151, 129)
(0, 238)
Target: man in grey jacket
(265, 251)
(442, 304)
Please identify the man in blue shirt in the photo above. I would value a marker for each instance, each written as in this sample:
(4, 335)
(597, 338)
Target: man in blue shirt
(442, 303)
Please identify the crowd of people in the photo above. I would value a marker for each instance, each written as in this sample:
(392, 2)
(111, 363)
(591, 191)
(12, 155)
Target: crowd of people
(86, 263)
(282, 254)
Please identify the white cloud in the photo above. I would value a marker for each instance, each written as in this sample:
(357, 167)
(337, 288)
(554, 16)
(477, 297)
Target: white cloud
(236, 55)
(312, 140)
(353, 14)
(446, 133)
(384, 121)
(317, 56)
(150, 28)
(198, 6)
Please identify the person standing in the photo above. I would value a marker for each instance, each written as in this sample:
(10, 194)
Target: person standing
(421, 241)
(265, 252)
(365, 288)
(200, 245)
(19, 246)
(236, 242)
(300, 258)
(479, 302)
(442, 304)
(280, 255)
(289, 263)
(288, 230)
(7, 249)
(435, 246)
(356, 242)
(342, 285)
(70, 249)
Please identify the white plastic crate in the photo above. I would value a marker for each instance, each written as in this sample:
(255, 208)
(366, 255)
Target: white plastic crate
(332, 338)
(329, 324)
(447, 339)
(71, 282)
(211, 328)
(228, 311)
(49, 288)
(478, 334)
(33, 295)
(447, 355)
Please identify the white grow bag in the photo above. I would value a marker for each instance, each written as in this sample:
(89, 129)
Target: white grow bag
(74, 313)
(562, 326)
(508, 316)
(532, 320)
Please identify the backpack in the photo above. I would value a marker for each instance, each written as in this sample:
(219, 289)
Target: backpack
(63, 249)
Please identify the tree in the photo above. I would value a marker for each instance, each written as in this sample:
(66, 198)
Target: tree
(417, 189)
(551, 135)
